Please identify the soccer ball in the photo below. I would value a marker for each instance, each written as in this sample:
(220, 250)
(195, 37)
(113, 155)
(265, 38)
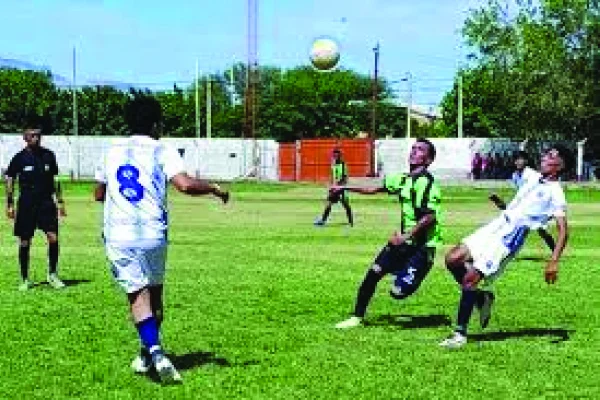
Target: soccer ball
(324, 54)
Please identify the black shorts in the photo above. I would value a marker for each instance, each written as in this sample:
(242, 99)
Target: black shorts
(35, 214)
(337, 196)
(410, 265)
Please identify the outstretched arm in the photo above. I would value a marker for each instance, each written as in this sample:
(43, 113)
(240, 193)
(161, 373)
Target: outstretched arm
(196, 187)
(358, 189)
(551, 273)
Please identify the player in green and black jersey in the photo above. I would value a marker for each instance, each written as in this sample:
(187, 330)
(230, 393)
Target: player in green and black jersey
(410, 250)
(339, 177)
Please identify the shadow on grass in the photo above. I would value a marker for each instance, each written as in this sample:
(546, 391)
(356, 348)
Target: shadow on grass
(411, 321)
(196, 359)
(558, 335)
(67, 282)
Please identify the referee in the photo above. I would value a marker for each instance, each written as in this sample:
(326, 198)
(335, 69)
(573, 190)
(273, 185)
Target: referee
(35, 167)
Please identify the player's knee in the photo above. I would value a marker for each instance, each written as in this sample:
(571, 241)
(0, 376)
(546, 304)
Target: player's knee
(52, 238)
(454, 259)
(24, 243)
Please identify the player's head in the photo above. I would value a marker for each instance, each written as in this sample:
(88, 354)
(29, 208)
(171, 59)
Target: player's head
(521, 160)
(32, 137)
(143, 114)
(422, 154)
(337, 154)
(555, 160)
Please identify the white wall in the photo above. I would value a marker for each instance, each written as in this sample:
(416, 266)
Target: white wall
(453, 158)
(224, 159)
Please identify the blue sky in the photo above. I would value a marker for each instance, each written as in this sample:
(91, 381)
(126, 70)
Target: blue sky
(157, 42)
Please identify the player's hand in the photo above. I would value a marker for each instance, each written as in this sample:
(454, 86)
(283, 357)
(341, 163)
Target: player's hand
(471, 279)
(335, 189)
(397, 239)
(10, 212)
(551, 272)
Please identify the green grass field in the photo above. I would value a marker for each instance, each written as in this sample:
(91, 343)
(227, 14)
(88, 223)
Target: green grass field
(253, 291)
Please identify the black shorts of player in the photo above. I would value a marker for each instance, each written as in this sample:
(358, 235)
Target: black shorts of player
(410, 265)
(337, 196)
(35, 214)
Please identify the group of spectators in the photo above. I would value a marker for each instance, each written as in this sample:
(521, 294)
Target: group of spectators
(492, 165)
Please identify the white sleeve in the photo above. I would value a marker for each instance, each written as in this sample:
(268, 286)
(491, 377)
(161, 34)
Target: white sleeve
(558, 202)
(530, 174)
(100, 173)
(172, 162)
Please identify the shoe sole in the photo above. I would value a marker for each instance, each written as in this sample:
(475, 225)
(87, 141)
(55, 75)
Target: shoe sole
(169, 376)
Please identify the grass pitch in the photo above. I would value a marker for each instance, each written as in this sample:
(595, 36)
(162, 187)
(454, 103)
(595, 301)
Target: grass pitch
(253, 291)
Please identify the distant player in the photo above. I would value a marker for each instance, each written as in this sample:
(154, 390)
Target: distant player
(339, 177)
(40, 203)
(484, 254)
(410, 250)
(132, 183)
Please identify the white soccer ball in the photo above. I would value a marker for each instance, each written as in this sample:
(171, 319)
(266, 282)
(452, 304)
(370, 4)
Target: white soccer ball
(324, 54)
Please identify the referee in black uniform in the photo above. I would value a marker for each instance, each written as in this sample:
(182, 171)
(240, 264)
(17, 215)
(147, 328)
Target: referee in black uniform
(35, 167)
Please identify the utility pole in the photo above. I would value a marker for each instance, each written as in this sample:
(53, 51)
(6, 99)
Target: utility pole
(375, 92)
(197, 99)
(460, 104)
(408, 80)
(75, 113)
(208, 107)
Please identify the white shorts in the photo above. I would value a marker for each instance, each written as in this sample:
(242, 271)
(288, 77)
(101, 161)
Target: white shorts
(493, 245)
(136, 268)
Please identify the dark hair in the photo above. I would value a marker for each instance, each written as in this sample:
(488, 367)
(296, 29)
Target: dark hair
(142, 113)
(430, 146)
(565, 154)
(522, 154)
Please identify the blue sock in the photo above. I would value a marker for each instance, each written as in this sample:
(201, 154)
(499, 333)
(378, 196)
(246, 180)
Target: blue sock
(465, 309)
(149, 335)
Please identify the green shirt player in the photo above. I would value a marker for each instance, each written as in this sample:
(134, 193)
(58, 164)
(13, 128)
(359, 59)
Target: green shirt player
(339, 177)
(410, 250)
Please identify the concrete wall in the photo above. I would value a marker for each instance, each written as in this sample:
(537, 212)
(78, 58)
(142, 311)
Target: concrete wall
(224, 159)
(453, 158)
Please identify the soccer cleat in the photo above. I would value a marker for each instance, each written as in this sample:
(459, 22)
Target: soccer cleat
(319, 222)
(55, 282)
(25, 285)
(455, 341)
(351, 322)
(141, 364)
(485, 309)
(166, 370)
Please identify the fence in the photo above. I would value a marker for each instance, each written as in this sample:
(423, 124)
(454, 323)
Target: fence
(225, 159)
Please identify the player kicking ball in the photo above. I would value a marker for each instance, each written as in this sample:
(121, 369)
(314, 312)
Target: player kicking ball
(132, 183)
(410, 251)
(483, 255)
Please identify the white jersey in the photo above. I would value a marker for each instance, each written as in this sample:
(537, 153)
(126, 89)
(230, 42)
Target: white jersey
(536, 202)
(520, 178)
(136, 171)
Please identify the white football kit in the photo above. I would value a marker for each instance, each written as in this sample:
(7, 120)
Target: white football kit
(136, 172)
(495, 244)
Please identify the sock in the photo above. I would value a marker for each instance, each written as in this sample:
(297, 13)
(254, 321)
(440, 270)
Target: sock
(24, 261)
(149, 334)
(365, 293)
(52, 257)
(465, 309)
(326, 213)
